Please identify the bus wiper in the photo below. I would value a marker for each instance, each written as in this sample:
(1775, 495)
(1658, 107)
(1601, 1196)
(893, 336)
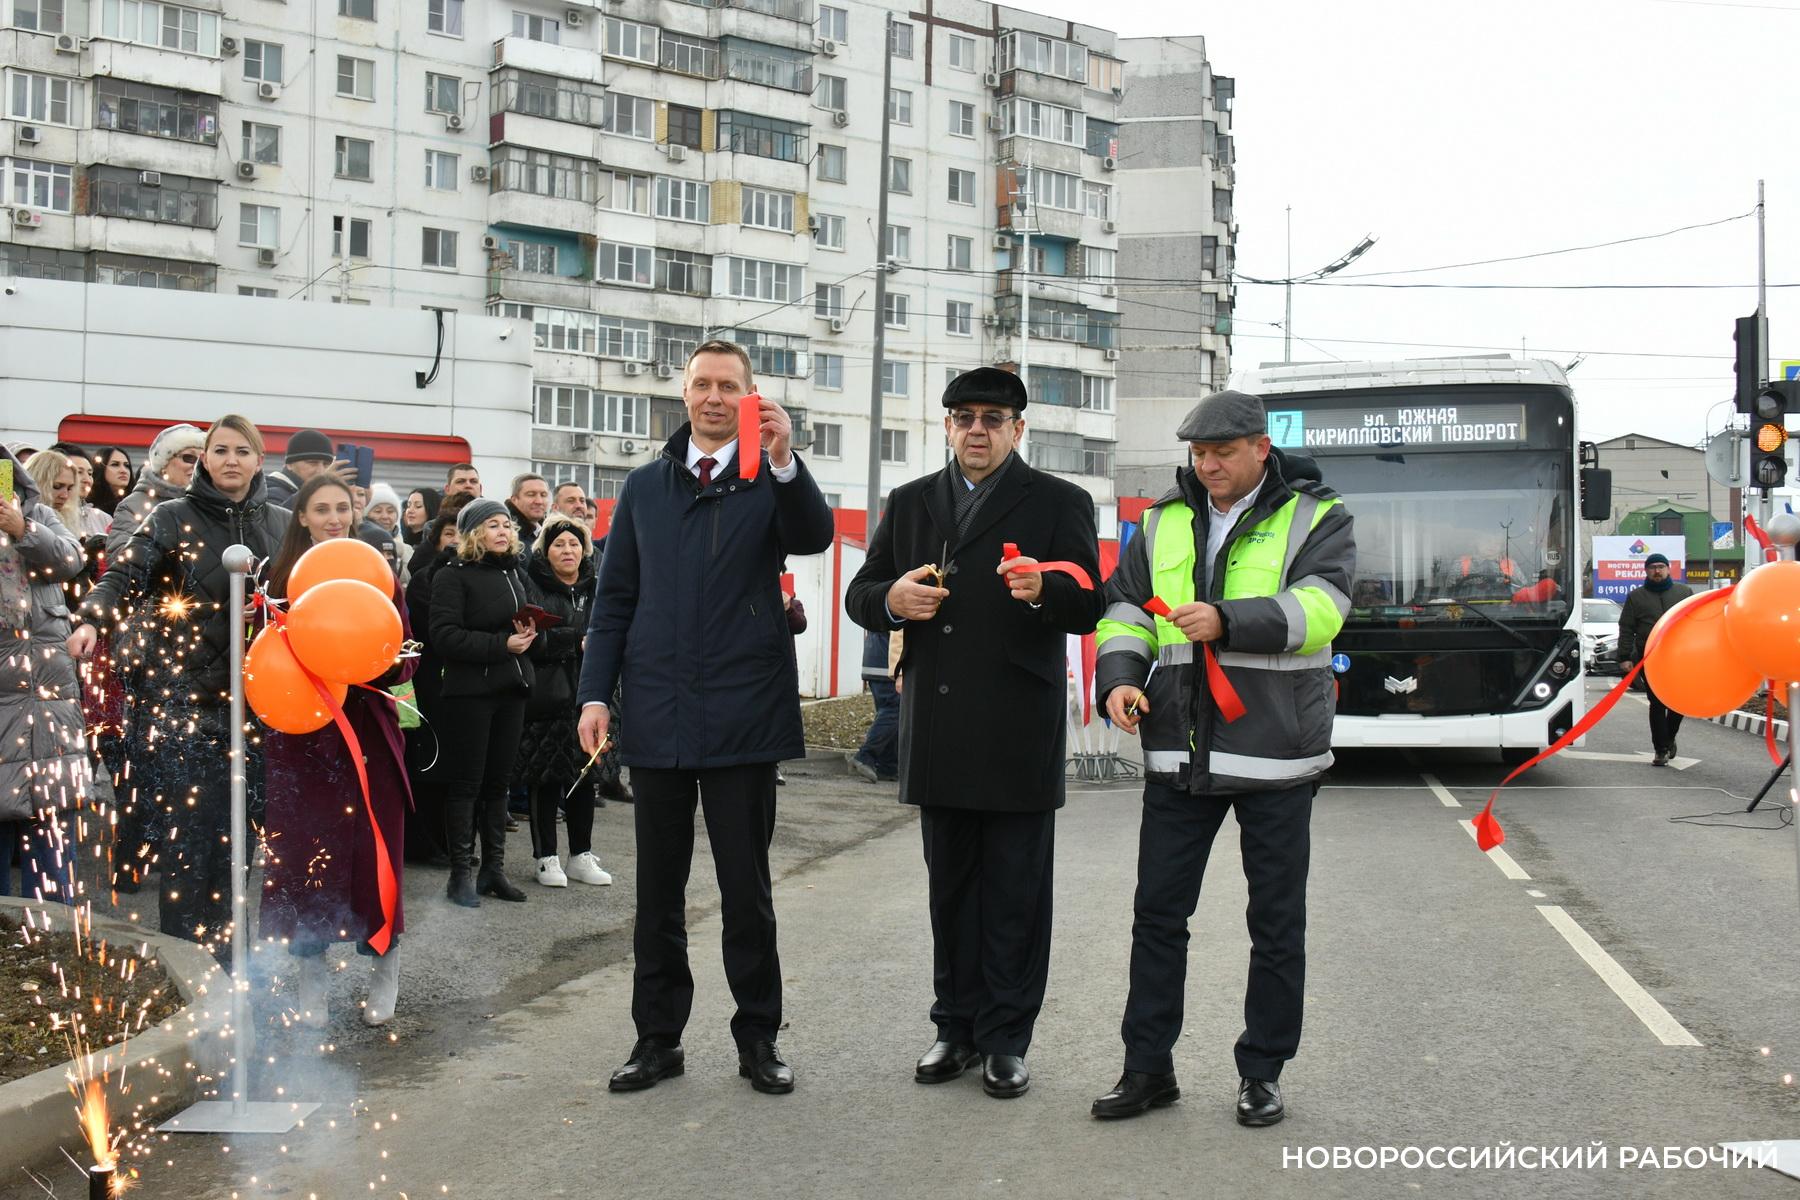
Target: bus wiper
(1490, 618)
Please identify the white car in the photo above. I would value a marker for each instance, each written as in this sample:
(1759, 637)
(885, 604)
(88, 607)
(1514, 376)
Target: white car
(1600, 636)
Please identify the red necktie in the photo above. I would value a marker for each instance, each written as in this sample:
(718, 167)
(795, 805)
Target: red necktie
(706, 466)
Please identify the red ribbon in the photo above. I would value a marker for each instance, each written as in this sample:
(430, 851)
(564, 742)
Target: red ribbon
(386, 883)
(749, 435)
(1230, 704)
(1075, 571)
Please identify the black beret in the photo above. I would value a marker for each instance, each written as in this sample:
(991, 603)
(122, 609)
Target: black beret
(986, 385)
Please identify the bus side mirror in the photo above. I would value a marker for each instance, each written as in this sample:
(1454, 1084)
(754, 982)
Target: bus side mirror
(1596, 494)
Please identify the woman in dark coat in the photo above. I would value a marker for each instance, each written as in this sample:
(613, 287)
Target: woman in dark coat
(320, 880)
(487, 677)
(562, 580)
(114, 477)
(425, 838)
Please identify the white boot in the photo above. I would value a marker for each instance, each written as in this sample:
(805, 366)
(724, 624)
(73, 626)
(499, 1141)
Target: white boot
(315, 987)
(384, 988)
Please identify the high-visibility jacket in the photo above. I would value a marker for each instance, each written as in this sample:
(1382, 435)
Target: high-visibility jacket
(1281, 584)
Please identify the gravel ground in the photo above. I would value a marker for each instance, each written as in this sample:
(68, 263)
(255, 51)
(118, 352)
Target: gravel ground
(838, 724)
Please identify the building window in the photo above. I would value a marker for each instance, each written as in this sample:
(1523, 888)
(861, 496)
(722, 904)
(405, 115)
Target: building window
(155, 111)
(768, 210)
(441, 170)
(262, 60)
(684, 126)
(353, 156)
(630, 116)
(259, 293)
(533, 258)
(684, 272)
(361, 10)
(962, 52)
(537, 29)
(622, 191)
(896, 244)
(166, 25)
(689, 55)
(828, 300)
(550, 97)
(262, 144)
(828, 373)
(131, 270)
(1055, 189)
(899, 106)
(1209, 255)
(355, 77)
(259, 225)
(445, 17)
(960, 253)
(582, 409)
(683, 199)
(577, 332)
(439, 249)
(831, 92)
(45, 99)
(771, 353)
(895, 376)
(42, 185)
(900, 175)
(1105, 74)
(1097, 393)
(630, 265)
(962, 119)
(828, 437)
(828, 231)
(675, 344)
(834, 23)
(893, 446)
(40, 16)
(121, 192)
(1024, 51)
(443, 93)
(350, 237)
(772, 66)
(1098, 262)
(1103, 137)
(756, 279)
(1096, 200)
(628, 39)
(516, 169)
(902, 39)
(832, 164)
(1050, 122)
(765, 137)
(962, 186)
(959, 318)
(896, 311)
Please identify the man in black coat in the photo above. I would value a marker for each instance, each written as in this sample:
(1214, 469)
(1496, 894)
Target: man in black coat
(982, 712)
(688, 613)
(1644, 607)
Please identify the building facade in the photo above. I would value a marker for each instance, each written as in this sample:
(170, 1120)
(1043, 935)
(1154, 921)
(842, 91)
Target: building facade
(624, 180)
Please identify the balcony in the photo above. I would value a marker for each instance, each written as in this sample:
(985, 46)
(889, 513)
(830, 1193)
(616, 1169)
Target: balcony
(1047, 222)
(543, 212)
(1069, 289)
(529, 287)
(1033, 86)
(142, 153)
(569, 62)
(154, 65)
(151, 239)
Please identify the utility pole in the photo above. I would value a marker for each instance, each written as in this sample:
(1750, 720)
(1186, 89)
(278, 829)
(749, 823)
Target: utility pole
(873, 506)
(1027, 216)
(1762, 280)
(1287, 317)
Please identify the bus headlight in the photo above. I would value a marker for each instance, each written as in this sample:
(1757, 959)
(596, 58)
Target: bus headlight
(1542, 690)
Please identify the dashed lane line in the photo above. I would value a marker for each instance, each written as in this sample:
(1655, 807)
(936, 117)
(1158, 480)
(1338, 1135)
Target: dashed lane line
(1440, 791)
(1642, 1004)
(1497, 856)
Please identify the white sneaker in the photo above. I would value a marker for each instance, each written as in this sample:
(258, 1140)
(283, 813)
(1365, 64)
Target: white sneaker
(550, 872)
(384, 989)
(586, 868)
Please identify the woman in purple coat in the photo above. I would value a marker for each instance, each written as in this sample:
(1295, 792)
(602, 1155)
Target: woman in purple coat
(320, 883)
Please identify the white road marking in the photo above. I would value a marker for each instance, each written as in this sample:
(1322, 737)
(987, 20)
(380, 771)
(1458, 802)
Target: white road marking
(1643, 1005)
(1634, 756)
(1534, 893)
(1441, 792)
(1499, 857)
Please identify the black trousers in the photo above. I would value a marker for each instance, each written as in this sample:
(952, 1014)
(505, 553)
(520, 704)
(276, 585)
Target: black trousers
(193, 783)
(1665, 722)
(578, 812)
(739, 803)
(1174, 841)
(990, 876)
(481, 739)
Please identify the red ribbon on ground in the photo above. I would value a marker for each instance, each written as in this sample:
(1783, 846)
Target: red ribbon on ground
(386, 883)
(1488, 833)
(749, 435)
(1075, 571)
(1231, 705)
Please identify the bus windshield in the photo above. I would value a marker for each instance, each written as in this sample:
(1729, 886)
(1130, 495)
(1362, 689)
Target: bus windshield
(1437, 534)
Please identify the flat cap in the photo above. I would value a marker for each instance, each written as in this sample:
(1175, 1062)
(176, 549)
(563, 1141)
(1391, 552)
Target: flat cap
(1224, 417)
(987, 385)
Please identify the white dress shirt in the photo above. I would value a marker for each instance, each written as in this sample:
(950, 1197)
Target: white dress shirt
(1220, 524)
(724, 454)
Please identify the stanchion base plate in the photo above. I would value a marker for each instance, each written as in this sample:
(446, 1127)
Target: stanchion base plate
(259, 1116)
(1785, 1151)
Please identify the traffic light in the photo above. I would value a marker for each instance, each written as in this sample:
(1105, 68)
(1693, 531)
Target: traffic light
(1769, 435)
(1751, 336)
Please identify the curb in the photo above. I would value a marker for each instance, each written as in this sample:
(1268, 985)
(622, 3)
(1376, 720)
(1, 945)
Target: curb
(37, 1113)
(1751, 723)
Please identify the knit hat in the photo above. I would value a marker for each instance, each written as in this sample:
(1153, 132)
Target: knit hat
(171, 442)
(477, 513)
(309, 445)
(381, 493)
(1654, 560)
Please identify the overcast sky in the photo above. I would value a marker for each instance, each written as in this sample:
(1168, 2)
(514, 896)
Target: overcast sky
(1455, 132)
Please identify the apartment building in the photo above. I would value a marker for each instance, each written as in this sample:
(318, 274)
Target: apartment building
(625, 179)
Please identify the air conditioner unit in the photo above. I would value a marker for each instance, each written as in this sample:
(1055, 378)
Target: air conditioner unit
(28, 218)
(827, 47)
(812, 222)
(996, 124)
(1110, 227)
(1111, 354)
(573, 17)
(677, 152)
(665, 370)
(246, 170)
(836, 324)
(68, 43)
(453, 121)
(840, 118)
(1109, 163)
(150, 178)
(1110, 292)
(228, 46)
(634, 368)
(30, 135)
(488, 241)
(268, 90)
(479, 173)
(1002, 242)
(628, 447)
(990, 320)
(991, 79)
(265, 257)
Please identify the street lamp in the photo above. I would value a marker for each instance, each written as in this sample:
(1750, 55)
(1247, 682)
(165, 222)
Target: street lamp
(1287, 325)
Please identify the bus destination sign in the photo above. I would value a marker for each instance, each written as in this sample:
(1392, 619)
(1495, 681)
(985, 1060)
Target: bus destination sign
(1432, 425)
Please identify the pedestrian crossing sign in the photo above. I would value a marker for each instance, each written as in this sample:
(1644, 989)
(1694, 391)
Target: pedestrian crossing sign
(1789, 370)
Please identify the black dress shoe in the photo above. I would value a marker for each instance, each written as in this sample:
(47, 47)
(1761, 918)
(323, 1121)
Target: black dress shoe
(1259, 1102)
(945, 1061)
(649, 1063)
(1003, 1076)
(761, 1064)
(1137, 1092)
(496, 884)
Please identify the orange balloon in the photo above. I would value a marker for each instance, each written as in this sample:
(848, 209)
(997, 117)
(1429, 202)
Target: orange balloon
(1762, 619)
(340, 558)
(344, 630)
(277, 689)
(1693, 668)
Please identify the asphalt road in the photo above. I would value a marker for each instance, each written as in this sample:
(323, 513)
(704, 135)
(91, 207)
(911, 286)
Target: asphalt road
(1449, 1004)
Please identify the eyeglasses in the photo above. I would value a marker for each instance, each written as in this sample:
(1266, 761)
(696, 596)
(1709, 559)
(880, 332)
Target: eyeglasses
(189, 458)
(962, 418)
